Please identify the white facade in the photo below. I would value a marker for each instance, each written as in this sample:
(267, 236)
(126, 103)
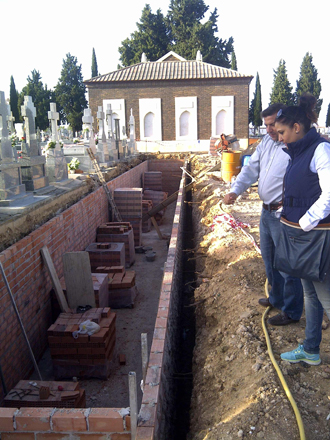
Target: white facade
(222, 114)
(150, 114)
(186, 118)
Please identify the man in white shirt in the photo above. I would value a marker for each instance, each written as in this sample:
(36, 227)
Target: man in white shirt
(268, 164)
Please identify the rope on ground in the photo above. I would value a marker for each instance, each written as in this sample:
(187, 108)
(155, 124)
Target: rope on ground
(231, 220)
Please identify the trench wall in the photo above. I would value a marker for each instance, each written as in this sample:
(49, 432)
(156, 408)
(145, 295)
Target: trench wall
(30, 284)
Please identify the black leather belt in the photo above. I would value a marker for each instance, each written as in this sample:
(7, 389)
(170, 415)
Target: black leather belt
(271, 206)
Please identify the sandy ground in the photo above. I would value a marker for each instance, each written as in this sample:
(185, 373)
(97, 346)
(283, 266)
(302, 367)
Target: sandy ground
(237, 392)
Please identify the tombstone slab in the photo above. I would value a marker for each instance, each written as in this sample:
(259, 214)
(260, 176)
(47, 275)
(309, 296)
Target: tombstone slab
(32, 163)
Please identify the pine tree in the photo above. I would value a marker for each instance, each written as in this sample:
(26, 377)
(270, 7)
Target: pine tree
(233, 61)
(327, 122)
(95, 71)
(282, 90)
(184, 30)
(256, 106)
(70, 93)
(189, 32)
(150, 38)
(13, 100)
(41, 98)
(308, 81)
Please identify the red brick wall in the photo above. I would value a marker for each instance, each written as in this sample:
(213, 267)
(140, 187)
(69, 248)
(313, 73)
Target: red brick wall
(167, 91)
(72, 230)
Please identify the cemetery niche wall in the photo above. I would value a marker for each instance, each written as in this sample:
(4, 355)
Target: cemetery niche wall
(178, 105)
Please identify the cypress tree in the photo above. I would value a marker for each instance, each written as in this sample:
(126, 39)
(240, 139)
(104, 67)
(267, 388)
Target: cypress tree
(13, 100)
(308, 81)
(327, 122)
(256, 106)
(70, 93)
(41, 98)
(282, 90)
(94, 65)
(233, 61)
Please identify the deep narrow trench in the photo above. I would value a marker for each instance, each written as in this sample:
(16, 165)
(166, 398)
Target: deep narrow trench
(183, 376)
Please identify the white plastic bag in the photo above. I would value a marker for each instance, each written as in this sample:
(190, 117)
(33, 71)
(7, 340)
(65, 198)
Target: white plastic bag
(87, 328)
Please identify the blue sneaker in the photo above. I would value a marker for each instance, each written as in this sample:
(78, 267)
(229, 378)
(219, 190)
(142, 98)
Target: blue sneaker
(300, 355)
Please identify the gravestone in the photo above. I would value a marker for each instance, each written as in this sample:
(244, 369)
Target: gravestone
(102, 146)
(31, 161)
(87, 120)
(132, 142)
(11, 186)
(56, 166)
(113, 152)
(11, 121)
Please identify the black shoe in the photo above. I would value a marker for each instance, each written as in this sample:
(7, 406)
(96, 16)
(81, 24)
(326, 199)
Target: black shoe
(282, 319)
(264, 302)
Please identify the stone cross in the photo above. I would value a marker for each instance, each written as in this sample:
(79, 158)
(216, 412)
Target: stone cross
(88, 120)
(29, 114)
(109, 121)
(6, 150)
(131, 127)
(54, 116)
(11, 121)
(100, 118)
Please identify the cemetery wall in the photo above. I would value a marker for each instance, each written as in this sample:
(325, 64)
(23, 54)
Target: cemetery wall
(167, 91)
(157, 400)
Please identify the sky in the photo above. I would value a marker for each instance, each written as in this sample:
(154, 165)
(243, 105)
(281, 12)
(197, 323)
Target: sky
(37, 34)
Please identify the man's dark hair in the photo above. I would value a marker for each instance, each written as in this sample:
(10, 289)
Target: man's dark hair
(272, 110)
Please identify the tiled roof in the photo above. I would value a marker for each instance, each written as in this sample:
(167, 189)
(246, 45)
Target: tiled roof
(168, 70)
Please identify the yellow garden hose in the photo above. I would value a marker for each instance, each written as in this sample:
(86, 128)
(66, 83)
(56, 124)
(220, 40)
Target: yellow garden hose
(279, 372)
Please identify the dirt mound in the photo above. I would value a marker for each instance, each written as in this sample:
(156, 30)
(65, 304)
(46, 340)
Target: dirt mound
(237, 393)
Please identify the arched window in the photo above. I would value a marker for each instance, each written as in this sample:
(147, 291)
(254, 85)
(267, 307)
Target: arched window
(221, 122)
(149, 124)
(184, 123)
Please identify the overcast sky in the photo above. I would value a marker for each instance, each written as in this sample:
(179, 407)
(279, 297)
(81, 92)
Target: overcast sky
(37, 34)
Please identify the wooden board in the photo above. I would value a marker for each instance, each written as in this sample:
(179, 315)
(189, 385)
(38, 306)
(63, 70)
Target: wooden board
(78, 279)
(55, 280)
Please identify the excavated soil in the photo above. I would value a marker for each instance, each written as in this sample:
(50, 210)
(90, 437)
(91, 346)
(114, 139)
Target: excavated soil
(236, 390)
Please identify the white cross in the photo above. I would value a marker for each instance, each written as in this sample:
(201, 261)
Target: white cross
(53, 116)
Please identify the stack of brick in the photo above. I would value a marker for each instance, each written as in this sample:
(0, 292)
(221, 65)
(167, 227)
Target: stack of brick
(122, 289)
(156, 197)
(213, 146)
(118, 232)
(106, 254)
(153, 180)
(146, 206)
(87, 355)
(129, 204)
(100, 286)
(46, 394)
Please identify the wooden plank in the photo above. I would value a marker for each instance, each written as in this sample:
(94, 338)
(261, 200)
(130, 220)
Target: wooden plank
(156, 227)
(55, 280)
(78, 279)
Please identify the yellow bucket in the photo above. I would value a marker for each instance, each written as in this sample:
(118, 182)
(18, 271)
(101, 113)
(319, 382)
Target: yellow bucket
(230, 164)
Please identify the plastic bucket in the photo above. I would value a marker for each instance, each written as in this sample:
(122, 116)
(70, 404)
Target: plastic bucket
(246, 159)
(230, 164)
